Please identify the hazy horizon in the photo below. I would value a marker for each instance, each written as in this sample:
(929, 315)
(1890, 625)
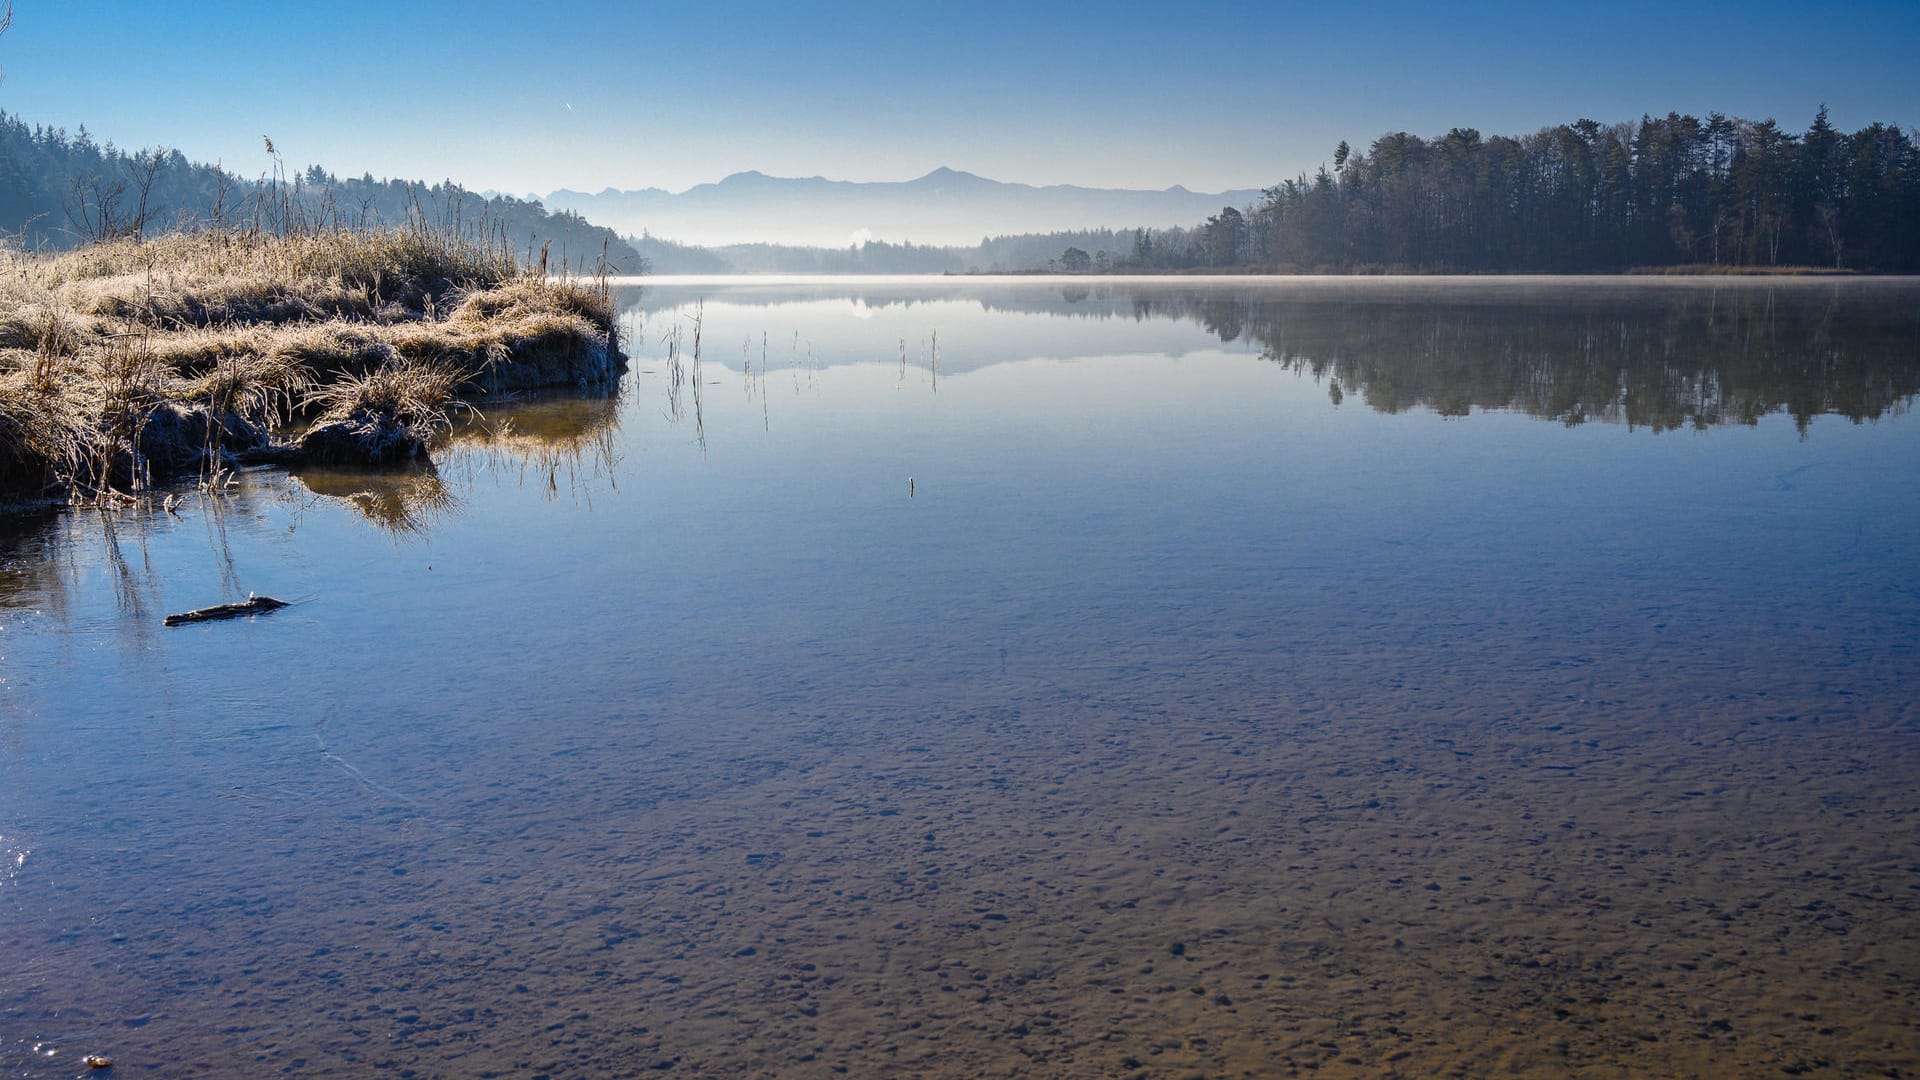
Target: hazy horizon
(834, 179)
(944, 207)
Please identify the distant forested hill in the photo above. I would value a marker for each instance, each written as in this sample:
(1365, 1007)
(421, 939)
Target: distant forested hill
(1672, 191)
(944, 207)
(59, 190)
(1028, 251)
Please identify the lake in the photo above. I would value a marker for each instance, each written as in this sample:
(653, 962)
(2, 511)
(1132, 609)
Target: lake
(1025, 676)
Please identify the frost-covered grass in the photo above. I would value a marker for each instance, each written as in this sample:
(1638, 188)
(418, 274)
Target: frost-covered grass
(249, 330)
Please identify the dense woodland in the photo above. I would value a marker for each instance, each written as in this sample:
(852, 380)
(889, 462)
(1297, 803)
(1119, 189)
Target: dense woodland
(872, 257)
(1029, 251)
(59, 190)
(1675, 191)
(1672, 191)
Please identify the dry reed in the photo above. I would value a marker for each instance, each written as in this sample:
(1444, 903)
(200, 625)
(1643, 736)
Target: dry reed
(228, 336)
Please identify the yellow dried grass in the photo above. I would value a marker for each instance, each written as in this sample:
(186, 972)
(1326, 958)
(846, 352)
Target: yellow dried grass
(260, 326)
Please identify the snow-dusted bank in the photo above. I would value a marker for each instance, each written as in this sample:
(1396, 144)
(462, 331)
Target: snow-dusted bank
(134, 362)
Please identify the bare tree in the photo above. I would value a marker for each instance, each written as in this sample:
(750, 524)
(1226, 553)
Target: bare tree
(222, 187)
(93, 208)
(6, 20)
(142, 170)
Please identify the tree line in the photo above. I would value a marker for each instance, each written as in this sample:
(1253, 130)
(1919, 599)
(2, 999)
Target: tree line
(1026, 251)
(60, 190)
(1660, 192)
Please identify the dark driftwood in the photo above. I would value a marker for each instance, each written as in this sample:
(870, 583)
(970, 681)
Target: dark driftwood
(254, 605)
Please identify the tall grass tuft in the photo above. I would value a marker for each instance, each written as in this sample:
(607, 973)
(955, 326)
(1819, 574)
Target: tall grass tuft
(417, 393)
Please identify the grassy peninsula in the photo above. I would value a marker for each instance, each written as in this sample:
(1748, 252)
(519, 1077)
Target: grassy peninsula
(134, 362)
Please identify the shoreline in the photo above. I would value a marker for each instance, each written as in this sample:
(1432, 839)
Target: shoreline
(1689, 270)
(1262, 276)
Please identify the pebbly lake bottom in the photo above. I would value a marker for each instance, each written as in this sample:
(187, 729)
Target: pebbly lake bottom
(1182, 721)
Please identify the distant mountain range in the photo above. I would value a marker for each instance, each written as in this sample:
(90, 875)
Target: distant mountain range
(943, 207)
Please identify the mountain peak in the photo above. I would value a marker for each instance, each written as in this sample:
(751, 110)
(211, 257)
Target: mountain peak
(944, 175)
(944, 206)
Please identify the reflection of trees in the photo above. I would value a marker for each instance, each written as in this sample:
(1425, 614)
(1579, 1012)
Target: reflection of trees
(1645, 352)
(1662, 356)
(1696, 359)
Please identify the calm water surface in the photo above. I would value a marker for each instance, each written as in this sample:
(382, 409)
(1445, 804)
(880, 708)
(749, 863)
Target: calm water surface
(1018, 678)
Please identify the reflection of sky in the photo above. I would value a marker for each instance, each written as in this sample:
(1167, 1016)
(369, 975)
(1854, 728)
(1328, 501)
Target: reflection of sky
(835, 331)
(1110, 520)
(1652, 352)
(1108, 437)
(1026, 401)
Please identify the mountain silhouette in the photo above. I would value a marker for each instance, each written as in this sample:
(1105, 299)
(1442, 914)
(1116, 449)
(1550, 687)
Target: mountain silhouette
(946, 206)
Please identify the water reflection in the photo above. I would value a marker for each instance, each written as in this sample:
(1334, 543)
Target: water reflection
(1697, 359)
(1439, 747)
(560, 442)
(401, 501)
(27, 577)
(1655, 354)
(133, 588)
(564, 442)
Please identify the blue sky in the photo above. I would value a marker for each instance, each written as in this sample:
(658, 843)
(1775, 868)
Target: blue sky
(528, 97)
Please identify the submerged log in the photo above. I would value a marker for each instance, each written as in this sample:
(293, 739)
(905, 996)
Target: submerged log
(254, 605)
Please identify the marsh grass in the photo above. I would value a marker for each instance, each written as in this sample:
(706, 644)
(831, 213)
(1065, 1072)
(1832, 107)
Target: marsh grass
(699, 381)
(415, 392)
(229, 336)
(39, 439)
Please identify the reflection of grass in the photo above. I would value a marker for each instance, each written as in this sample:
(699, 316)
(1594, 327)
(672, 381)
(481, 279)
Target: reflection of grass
(684, 368)
(562, 437)
(404, 502)
(558, 439)
(571, 423)
(29, 579)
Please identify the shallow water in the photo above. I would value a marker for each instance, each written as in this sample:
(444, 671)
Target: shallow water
(1040, 678)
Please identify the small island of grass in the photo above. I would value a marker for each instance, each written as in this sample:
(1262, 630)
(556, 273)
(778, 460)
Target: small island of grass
(131, 363)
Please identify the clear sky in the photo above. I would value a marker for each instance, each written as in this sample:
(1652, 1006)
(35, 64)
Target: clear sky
(528, 97)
